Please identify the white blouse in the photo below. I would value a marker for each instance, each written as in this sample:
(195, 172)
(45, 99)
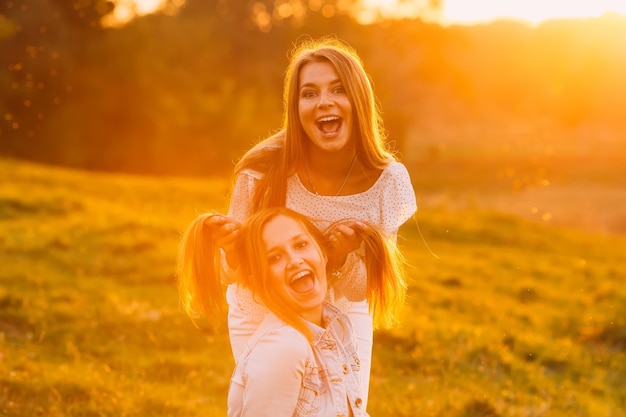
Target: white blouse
(387, 204)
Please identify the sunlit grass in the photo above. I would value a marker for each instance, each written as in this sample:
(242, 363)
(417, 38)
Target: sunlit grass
(506, 317)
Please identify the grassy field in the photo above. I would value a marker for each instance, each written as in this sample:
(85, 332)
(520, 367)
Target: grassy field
(506, 317)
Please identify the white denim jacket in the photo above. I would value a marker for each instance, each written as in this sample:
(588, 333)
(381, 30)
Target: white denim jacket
(281, 374)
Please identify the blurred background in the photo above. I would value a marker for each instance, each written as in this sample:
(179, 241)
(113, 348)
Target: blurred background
(514, 95)
(121, 120)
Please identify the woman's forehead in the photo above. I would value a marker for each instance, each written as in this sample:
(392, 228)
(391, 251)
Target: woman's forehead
(282, 230)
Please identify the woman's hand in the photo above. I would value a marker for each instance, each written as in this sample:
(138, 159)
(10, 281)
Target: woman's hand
(344, 237)
(223, 231)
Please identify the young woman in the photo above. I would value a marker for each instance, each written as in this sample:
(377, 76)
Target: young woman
(329, 162)
(302, 359)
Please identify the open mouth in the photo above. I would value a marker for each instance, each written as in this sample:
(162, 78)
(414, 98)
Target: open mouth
(329, 125)
(302, 282)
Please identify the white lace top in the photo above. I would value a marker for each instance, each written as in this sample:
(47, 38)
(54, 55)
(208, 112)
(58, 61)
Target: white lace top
(387, 204)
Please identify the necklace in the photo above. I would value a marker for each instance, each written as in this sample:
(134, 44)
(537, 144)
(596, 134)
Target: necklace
(345, 180)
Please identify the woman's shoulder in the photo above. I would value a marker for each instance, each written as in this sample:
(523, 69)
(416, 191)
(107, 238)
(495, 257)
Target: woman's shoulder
(276, 336)
(395, 169)
(394, 173)
(250, 173)
(277, 353)
(278, 349)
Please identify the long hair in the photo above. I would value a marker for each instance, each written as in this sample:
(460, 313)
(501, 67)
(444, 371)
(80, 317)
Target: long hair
(386, 278)
(277, 156)
(201, 291)
(198, 271)
(254, 268)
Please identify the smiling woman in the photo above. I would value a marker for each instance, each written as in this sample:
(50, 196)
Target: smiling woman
(284, 261)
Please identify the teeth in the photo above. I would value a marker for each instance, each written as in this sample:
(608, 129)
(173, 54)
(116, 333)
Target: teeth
(299, 275)
(328, 119)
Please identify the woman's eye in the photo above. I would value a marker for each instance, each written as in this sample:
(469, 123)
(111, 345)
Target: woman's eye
(308, 93)
(339, 90)
(302, 244)
(272, 259)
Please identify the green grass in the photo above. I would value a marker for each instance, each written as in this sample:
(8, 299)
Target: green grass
(506, 317)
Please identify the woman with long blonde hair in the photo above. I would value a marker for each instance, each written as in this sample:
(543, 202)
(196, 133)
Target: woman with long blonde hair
(302, 359)
(330, 161)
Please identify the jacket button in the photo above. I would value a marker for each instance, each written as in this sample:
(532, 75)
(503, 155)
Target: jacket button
(358, 402)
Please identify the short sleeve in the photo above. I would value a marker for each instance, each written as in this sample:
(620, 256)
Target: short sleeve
(398, 200)
(239, 209)
(242, 195)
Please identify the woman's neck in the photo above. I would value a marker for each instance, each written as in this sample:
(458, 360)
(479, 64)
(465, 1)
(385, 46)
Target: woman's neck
(315, 316)
(328, 173)
(336, 174)
(329, 163)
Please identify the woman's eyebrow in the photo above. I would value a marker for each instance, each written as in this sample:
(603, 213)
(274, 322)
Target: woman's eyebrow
(291, 240)
(310, 84)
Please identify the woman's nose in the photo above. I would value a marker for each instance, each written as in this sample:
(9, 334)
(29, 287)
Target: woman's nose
(295, 261)
(325, 100)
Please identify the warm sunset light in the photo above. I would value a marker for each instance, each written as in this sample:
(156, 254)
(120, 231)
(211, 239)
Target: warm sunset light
(370, 11)
(126, 10)
(480, 11)
(464, 12)
(534, 11)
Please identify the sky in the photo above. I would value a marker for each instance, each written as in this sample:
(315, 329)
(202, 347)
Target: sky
(464, 12)
(534, 11)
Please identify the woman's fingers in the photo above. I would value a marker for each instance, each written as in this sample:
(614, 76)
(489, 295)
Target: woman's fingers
(222, 228)
(229, 234)
(347, 236)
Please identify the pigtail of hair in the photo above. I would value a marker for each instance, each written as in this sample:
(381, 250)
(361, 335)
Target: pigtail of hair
(198, 270)
(386, 283)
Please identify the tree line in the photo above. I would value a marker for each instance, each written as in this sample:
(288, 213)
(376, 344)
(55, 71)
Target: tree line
(188, 92)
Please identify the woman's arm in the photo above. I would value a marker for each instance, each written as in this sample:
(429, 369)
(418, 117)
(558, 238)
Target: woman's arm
(274, 374)
(242, 195)
(224, 227)
(398, 202)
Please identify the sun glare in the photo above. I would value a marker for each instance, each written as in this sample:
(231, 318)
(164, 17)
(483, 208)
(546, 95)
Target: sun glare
(534, 11)
(126, 10)
(371, 10)
(465, 12)
(382, 4)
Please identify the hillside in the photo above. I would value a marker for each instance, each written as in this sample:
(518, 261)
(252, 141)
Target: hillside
(506, 317)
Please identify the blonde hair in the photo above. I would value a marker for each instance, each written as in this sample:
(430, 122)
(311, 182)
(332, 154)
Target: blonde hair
(198, 271)
(386, 278)
(278, 155)
(254, 269)
(201, 291)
